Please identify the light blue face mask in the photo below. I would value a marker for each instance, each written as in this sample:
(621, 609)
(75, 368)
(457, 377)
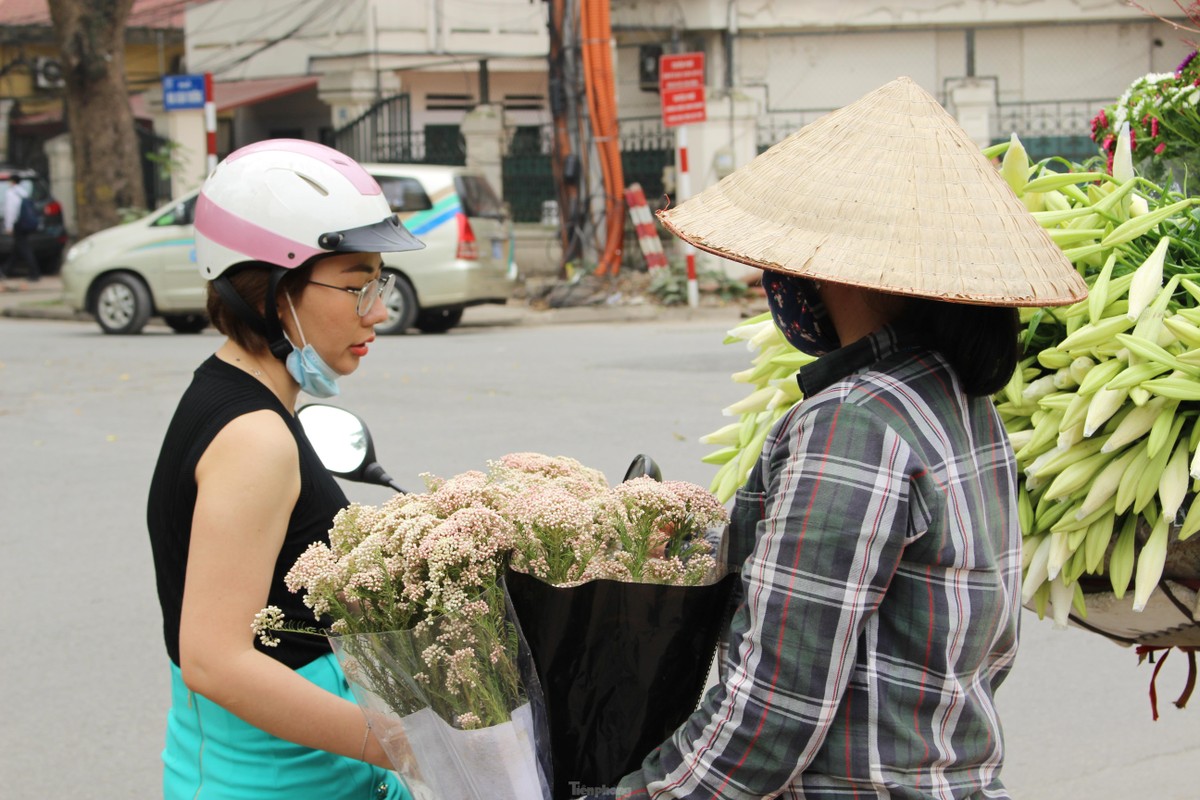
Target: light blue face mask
(307, 367)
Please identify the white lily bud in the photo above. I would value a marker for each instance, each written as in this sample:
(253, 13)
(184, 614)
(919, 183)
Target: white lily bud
(1062, 594)
(1122, 168)
(1105, 402)
(1137, 423)
(1039, 388)
(746, 331)
(727, 435)
(1173, 484)
(1035, 574)
(1019, 439)
(765, 336)
(1150, 564)
(1147, 280)
(1015, 165)
(1058, 554)
(754, 402)
(1080, 367)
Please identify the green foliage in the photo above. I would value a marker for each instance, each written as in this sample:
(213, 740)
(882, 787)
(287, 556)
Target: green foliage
(1164, 124)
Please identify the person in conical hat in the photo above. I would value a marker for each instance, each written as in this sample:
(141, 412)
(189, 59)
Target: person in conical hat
(877, 536)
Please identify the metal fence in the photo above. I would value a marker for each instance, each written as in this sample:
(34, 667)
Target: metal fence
(647, 149)
(1051, 128)
(384, 133)
(1046, 129)
(775, 126)
(528, 173)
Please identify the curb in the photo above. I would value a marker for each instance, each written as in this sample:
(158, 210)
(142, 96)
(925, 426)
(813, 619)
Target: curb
(475, 316)
(55, 312)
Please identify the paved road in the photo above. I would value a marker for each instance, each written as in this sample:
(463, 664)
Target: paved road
(83, 675)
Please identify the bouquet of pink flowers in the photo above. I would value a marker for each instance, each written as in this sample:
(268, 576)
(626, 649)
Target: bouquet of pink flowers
(412, 592)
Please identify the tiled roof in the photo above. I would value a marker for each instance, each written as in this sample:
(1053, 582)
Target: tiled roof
(145, 13)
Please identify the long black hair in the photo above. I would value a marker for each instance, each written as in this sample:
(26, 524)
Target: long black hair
(980, 342)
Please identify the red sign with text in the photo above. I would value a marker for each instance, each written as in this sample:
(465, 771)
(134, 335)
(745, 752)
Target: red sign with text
(681, 88)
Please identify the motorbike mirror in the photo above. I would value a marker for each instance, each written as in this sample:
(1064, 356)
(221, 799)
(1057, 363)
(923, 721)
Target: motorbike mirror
(643, 465)
(343, 444)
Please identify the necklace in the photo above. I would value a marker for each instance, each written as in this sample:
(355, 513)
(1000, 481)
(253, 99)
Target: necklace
(258, 373)
(250, 363)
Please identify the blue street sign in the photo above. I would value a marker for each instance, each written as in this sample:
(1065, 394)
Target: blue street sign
(182, 92)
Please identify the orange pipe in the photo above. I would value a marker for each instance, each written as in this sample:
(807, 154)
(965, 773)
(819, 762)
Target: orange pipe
(616, 185)
(596, 30)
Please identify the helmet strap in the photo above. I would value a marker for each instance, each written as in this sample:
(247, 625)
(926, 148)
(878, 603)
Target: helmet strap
(280, 347)
(267, 324)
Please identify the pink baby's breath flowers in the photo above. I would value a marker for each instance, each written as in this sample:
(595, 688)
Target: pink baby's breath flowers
(524, 470)
(414, 584)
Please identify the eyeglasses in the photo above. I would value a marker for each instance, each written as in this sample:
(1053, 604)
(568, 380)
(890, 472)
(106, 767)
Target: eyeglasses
(371, 291)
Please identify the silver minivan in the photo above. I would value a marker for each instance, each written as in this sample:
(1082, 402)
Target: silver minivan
(124, 275)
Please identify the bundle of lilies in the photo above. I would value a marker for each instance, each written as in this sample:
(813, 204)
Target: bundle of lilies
(1103, 410)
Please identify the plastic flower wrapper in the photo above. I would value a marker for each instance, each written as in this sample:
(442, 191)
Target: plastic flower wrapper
(413, 686)
(412, 598)
(616, 590)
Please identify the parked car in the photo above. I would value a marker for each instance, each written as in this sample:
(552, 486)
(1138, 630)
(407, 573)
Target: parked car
(126, 274)
(48, 241)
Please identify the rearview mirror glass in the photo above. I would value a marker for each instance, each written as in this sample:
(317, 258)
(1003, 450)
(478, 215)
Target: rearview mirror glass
(339, 437)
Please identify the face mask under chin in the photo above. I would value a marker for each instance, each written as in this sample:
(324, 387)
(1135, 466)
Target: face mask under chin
(306, 366)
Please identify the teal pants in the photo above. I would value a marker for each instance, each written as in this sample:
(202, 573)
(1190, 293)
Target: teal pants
(211, 754)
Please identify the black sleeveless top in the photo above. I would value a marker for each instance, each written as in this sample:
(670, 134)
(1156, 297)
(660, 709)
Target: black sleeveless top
(218, 394)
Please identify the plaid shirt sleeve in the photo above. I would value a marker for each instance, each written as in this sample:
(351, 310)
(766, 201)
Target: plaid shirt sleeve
(836, 519)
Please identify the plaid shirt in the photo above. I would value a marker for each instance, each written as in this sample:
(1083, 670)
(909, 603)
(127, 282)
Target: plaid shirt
(881, 577)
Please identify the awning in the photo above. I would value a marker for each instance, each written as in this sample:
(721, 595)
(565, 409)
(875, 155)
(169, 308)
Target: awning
(235, 94)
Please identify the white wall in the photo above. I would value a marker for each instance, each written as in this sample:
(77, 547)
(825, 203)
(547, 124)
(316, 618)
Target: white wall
(817, 15)
(236, 39)
(789, 70)
(1055, 62)
(829, 70)
(268, 38)
(465, 80)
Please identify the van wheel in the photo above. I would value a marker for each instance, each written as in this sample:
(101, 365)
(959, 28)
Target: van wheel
(122, 304)
(186, 323)
(401, 303)
(439, 320)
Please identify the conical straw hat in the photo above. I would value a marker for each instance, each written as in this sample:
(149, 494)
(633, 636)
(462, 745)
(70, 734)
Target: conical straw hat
(887, 193)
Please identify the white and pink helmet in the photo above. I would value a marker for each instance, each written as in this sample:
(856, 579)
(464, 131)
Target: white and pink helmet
(283, 201)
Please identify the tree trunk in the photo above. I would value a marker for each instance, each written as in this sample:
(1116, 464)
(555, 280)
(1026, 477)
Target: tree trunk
(108, 169)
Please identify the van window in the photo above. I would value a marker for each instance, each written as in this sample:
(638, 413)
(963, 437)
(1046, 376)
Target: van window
(477, 197)
(404, 194)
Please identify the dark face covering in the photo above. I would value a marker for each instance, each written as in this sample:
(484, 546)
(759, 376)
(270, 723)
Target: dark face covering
(799, 313)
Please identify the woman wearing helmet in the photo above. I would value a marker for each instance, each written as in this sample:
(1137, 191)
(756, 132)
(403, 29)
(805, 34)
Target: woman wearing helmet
(289, 233)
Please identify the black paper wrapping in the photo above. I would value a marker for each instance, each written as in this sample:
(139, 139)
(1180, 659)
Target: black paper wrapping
(621, 665)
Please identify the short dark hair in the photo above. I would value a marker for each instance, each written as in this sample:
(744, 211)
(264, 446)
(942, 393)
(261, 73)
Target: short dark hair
(980, 342)
(251, 280)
